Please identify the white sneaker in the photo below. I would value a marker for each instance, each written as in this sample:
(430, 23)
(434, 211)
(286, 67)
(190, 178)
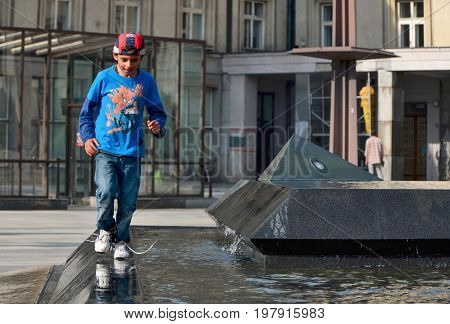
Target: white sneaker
(121, 268)
(103, 242)
(121, 251)
(102, 277)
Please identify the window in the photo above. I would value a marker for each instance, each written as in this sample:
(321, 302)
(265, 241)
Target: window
(193, 19)
(58, 14)
(326, 25)
(127, 16)
(254, 24)
(410, 24)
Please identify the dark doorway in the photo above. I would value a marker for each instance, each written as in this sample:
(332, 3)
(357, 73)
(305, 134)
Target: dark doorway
(265, 124)
(415, 141)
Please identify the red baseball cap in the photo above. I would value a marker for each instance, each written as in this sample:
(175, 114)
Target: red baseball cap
(129, 44)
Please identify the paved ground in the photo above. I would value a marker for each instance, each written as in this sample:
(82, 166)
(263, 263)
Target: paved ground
(32, 241)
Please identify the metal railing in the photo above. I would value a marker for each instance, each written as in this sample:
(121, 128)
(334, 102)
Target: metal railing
(31, 178)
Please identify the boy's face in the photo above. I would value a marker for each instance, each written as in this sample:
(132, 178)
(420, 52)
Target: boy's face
(127, 64)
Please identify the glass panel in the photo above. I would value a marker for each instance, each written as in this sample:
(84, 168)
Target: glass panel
(58, 107)
(58, 86)
(191, 103)
(57, 142)
(9, 101)
(4, 97)
(327, 35)
(199, 4)
(145, 188)
(132, 19)
(187, 3)
(82, 79)
(190, 118)
(33, 108)
(3, 139)
(197, 26)
(63, 15)
(327, 13)
(259, 9)
(53, 178)
(167, 80)
(9, 179)
(190, 182)
(59, 99)
(166, 179)
(405, 10)
(419, 35)
(108, 58)
(404, 36)
(418, 9)
(248, 8)
(248, 34)
(32, 179)
(146, 62)
(120, 19)
(257, 34)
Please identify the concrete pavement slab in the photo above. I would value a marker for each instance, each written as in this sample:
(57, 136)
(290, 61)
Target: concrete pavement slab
(32, 239)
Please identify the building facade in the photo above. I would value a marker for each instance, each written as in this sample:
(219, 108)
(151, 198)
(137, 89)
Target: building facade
(258, 95)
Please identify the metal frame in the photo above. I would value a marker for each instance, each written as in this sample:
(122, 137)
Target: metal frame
(49, 55)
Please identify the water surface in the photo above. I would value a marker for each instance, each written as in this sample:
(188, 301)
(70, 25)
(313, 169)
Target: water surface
(194, 265)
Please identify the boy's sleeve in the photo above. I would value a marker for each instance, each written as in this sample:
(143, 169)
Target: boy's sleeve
(155, 108)
(86, 123)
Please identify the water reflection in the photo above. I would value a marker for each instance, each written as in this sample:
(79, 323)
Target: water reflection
(115, 282)
(196, 266)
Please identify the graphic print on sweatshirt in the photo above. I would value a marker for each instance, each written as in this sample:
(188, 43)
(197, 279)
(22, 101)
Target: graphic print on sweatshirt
(123, 114)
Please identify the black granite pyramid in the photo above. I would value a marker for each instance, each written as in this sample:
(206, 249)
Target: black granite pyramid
(309, 202)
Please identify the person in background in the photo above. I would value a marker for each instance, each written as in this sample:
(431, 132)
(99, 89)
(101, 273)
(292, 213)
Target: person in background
(374, 154)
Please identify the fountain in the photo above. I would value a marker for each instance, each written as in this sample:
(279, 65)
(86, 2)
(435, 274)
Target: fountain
(311, 203)
(309, 215)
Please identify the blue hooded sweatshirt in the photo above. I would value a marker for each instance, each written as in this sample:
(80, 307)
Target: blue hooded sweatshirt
(113, 112)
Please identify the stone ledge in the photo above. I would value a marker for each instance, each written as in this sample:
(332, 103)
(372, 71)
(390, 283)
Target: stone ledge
(32, 203)
(166, 202)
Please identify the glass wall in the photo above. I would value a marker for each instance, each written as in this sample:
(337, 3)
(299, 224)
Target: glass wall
(39, 152)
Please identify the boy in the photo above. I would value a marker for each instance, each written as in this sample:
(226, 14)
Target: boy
(111, 129)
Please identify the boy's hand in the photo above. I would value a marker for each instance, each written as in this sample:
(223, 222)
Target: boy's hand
(91, 146)
(153, 126)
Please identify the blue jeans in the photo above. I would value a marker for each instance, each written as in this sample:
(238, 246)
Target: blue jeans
(116, 177)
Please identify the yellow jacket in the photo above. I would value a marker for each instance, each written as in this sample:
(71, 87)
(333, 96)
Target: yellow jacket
(364, 94)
